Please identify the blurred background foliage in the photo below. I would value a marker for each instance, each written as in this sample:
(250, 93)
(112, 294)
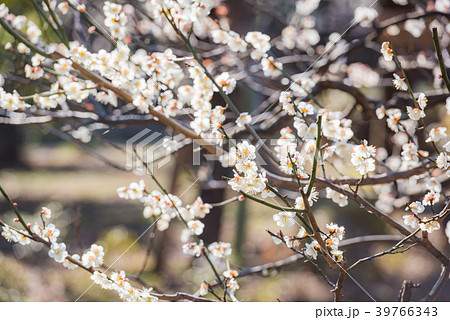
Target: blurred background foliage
(38, 169)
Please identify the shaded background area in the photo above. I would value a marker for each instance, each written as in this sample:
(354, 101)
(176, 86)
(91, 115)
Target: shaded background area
(38, 169)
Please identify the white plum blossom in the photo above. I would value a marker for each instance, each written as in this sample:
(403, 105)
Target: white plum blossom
(203, 289)
(63, 7)
(311, 249)
(410, 152)
(199, 209)
(291, 241)
(58, 252)
(415, 27)
(63, 66)
(313, 197)
(443, 160)
(69, 264)
(394, 116)
(267, 193)
(220, 249)
(296, 160)
(243, 119)
(193, 249)
(431, 198)
(230, 274)
(399, 83)
(93, 257)
(278, 238)
(220, 36)
(422, 100)
(336, 231)
(447, 231)
(415, 113)
(50, 232)
(134, 191)
(447, 146)
(196, 227)
(260, 43)
(306, 108)
(361, 158)
(287, 102)
(102, 280)
(410, 220)
(33, 73)
(301, 233)
(271, 67)
(437, 134)
(433, 184)
(284, 219)
(3, 10)
(338, 255)
(46, 212)
(225, 82)
(336, 197)
(387, 51)
(429, 226)
(10, 234)
(416, 207)
(236, 43)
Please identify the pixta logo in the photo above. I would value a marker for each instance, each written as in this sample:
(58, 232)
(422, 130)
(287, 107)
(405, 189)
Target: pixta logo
(146, 151)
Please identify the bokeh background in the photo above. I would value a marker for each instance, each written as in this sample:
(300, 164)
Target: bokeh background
(38, 169)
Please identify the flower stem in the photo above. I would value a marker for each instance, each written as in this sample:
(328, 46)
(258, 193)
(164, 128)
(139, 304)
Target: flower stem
(16, 211)
(316, 156)
(440, 59)
(22, 39)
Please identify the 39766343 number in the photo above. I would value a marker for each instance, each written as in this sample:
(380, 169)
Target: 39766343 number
(406, 311)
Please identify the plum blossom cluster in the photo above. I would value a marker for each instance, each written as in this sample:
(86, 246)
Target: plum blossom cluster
(362, 158)
(246, 176)
(119, 282)
(311, 250)
(428, 224)
(153, 80)
(335, 128)
(207, 119)
(90, 260)
(163, 208)
(58, 251)
(443, 159)
(300, 33)
(219, 253)
(115, 19)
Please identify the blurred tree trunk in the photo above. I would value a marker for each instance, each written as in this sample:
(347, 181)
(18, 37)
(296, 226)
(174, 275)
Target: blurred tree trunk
(213, 192)
(10, 142)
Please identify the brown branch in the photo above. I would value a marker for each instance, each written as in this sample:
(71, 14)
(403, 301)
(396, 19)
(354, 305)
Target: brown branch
(289, 183)
(264, 269)
(169, 297)
(392, 250)
(439, 285)
(127, 98)
(406, 291)
(338, 295)
(408, 16)
(181, 296)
